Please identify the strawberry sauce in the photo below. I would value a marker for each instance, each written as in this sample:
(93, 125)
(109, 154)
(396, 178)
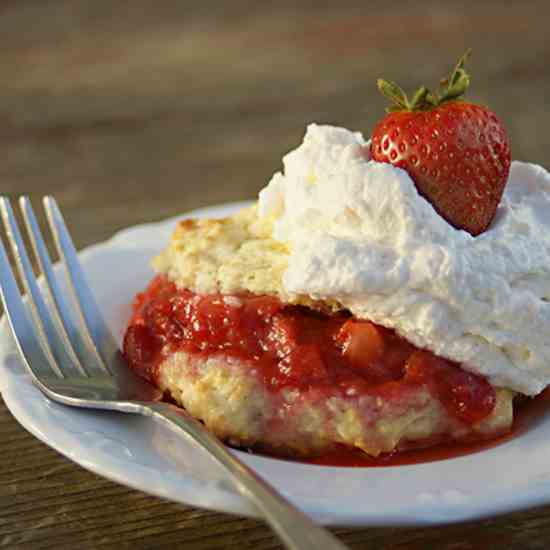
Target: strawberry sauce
(293, 346)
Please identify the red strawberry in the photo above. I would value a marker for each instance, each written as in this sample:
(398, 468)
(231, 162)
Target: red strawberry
(362, 343)
(457, 153)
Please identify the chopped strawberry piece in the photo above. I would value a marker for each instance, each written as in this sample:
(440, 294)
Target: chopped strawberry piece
(283, 336)
(362, 343)
(141, 347)
(303, 366)
(365, 348)
(466, 396)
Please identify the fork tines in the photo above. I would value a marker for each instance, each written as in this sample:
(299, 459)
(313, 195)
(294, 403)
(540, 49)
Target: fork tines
(50, 340)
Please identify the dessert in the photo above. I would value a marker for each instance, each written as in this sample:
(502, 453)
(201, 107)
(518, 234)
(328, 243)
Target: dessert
(343, 310)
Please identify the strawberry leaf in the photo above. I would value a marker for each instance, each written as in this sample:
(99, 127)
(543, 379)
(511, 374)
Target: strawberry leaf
(452, 88)
(420, 99)
(394, 93)
(458, 82)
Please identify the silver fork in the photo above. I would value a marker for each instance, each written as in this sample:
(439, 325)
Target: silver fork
(77, 363)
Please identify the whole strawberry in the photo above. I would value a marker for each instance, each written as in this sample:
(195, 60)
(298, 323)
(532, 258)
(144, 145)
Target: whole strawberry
(457, 153)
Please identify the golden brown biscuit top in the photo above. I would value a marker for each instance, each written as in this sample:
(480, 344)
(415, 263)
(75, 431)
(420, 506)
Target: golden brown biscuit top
(230, 255)
(225, 255)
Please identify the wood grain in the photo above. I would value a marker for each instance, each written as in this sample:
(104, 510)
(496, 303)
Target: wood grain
(132, 112)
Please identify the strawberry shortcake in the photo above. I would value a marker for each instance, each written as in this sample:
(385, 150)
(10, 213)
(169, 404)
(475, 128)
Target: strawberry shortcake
(345, 309)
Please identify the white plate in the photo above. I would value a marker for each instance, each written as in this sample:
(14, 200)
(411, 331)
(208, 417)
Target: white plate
(142, 454)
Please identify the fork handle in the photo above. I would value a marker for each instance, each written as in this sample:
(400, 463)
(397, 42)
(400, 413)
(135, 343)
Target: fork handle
(294, 528)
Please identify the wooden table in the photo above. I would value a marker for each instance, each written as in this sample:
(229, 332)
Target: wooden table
(132, 112)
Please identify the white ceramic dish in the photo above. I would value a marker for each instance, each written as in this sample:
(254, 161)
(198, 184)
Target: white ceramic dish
(139, 453)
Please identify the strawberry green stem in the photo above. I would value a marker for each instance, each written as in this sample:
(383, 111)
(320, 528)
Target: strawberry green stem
(458, 82)
(453, 89)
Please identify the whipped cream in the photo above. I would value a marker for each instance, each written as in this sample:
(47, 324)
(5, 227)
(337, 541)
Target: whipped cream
(359, 233)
